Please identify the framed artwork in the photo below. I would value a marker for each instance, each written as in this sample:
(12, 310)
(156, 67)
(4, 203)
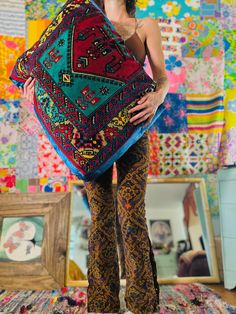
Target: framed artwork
(161, 233)
(34, 231)
(21, 239)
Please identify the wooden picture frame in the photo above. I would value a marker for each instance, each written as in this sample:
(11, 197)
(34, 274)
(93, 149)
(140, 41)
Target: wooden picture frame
(49, 270)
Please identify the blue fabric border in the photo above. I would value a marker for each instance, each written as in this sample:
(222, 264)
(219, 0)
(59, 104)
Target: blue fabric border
(132, 140)
(17, 83)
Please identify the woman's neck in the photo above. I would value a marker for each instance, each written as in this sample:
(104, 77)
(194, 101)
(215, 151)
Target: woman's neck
(116, 10)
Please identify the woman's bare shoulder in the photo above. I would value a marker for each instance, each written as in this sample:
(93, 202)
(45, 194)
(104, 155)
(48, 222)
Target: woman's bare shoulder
(148, 26)
(147, 22)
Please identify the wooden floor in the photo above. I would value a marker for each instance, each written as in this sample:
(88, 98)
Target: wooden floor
(227, 295)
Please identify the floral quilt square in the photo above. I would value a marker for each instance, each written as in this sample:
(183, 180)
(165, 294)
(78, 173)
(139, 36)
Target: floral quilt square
(49, 163)
(8, 156)
(230, 59)
(230, 101)
(213, 144)
(212, 193)
(204, 76)
(166, 9)
(227, 153)
(230, 109)
(8, 134)
(154, 164)
(30, 125)
(228, 15)
(9, 111)
(210, 8)
(172, 36)
(176, 73)
(204, 38)
(174, 118)
(58, 184)
(10, 49)
(7, 180)
(38, 9)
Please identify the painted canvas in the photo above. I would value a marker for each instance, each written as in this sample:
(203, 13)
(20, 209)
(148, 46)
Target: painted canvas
(161, 234)
(21, 239)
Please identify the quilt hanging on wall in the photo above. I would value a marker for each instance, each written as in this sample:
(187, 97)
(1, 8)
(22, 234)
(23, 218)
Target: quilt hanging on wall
(200, 54)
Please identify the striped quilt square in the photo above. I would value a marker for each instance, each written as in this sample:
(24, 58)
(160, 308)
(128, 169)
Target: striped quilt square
(12, 18)
(205, 113)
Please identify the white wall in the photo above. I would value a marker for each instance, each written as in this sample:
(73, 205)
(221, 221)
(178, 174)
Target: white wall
(164, 201)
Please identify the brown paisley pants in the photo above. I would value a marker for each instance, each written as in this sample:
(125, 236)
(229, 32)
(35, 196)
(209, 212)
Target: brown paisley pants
(142, 291)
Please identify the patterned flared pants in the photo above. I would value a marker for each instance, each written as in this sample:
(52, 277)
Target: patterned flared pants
(142, 291)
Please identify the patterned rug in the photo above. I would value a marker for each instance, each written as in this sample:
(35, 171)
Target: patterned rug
(186, 299)
(87, 80)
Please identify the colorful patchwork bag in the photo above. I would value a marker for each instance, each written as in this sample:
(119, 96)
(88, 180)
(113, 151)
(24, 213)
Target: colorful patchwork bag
(86, 81)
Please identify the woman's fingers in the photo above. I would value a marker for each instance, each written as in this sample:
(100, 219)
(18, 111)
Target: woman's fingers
(32, 94)
(143, 109)
(144, 118)
(28, 89)
(28, 81)
(21, 90)
(143, 99)
(147, 107)
(144, 115)
(32, 97)
(31, 84)
(137, 107)
(139, 115)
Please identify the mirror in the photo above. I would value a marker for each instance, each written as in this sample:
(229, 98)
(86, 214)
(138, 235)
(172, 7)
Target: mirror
(180, 231)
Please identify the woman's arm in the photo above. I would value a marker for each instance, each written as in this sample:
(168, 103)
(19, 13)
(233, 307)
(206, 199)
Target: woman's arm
(149, 103)
(156, 56)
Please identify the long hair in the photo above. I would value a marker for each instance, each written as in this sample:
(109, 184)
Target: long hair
(130, 6)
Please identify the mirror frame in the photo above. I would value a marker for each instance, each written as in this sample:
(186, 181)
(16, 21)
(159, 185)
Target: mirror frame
(214, 278)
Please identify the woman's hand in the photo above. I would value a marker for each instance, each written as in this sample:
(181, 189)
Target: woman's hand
(27, 91)
(147, 107)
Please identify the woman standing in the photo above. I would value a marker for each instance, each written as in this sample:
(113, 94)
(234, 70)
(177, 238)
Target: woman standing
(143, 38)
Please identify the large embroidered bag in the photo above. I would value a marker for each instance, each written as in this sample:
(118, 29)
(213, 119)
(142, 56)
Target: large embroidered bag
(86, 81)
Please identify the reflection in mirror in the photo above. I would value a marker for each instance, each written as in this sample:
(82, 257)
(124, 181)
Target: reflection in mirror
(175, 230)
(179, 225)
(80, 223)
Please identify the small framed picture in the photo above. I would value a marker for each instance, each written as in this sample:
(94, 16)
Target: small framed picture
(161, 234)
(21, 239)
(34, 230)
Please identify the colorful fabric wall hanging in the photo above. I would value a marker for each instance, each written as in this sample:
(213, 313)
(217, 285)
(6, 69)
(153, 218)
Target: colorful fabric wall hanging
(198, 43)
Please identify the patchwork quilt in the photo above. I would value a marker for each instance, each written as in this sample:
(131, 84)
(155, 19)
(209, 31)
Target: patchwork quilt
(86, 81)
